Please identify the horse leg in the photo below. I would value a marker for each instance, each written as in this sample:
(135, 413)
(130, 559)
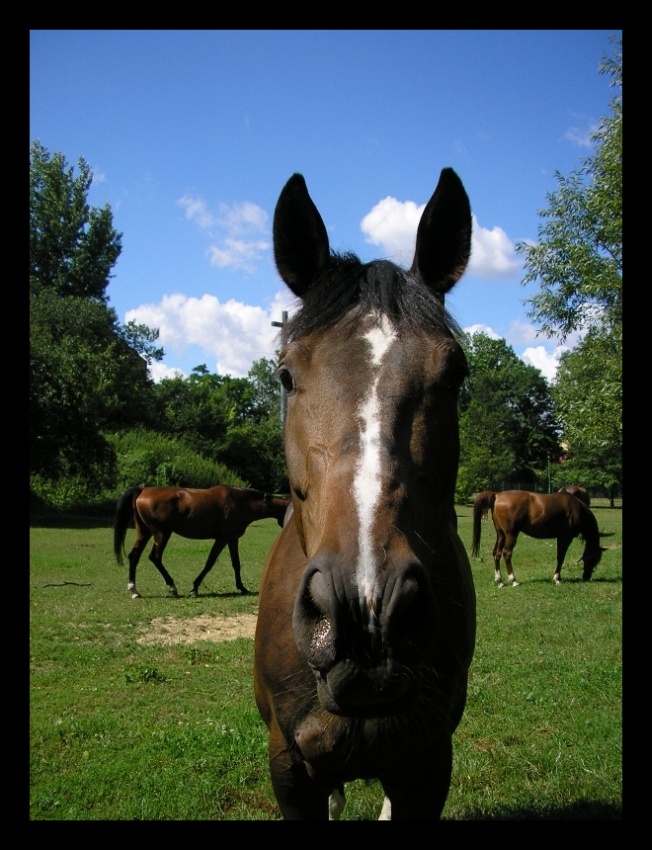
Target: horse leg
(508, 548)
(497, 554)
(235, 563)
(143, 534)
(336, 803)
(562, 547)
(421, 794)
(156, 557)
(216, 548)
(298, 796)
(386, 811)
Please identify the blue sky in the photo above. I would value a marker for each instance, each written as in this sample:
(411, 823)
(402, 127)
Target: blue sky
(191, 135)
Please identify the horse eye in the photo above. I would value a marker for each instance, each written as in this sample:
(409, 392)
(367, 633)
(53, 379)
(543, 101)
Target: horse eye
(285, 377)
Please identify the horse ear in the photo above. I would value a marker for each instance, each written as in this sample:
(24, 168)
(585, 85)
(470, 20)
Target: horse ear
(444, 235)
(301, 248)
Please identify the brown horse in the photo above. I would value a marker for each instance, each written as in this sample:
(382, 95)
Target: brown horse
(544, 516)
(219, 513)
(366, 624)
(577, 490)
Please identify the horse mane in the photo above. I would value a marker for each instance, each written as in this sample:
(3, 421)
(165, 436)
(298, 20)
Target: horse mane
(382, 286)
(589, 526)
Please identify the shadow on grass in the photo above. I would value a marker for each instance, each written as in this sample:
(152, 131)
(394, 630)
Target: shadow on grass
(583, 810)
(72, 521)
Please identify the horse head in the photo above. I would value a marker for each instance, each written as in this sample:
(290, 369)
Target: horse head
(372, 368)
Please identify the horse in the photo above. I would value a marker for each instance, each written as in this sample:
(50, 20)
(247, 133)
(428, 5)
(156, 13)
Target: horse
(577, 490)
(220, 513)
(366, 620)
(558, 515)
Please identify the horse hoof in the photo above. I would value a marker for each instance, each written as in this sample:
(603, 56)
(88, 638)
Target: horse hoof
(243, 590)
(500, 584)
(194, 594)
(136, 595)
(515, 583)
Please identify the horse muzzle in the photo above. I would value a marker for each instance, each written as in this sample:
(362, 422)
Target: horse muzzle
(366, 650)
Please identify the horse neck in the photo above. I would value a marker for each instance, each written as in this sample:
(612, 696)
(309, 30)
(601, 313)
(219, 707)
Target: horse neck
(274, 510)
(590, 532)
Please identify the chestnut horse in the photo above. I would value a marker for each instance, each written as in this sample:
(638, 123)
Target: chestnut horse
(366, 623)
(577, 490)
(219, 513)
(544, 516)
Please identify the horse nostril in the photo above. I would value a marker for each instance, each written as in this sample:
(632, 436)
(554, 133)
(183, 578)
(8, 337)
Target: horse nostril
(321, 640)
(312, 620)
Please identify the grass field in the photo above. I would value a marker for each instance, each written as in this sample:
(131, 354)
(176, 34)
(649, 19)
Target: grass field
(139, 712)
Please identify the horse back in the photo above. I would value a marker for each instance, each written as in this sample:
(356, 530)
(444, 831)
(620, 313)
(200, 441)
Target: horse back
(539, 515)
(192, 513)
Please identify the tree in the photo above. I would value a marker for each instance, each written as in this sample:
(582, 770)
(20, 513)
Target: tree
(508, 427)
(578, 265)
(71, 393)
(88, 374)
(267, 387)
(235, 421)
(73, 247)
(588, 393)
(577, 261)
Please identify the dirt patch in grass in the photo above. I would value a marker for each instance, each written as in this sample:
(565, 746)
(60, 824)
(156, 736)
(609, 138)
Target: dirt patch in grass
(172, 630)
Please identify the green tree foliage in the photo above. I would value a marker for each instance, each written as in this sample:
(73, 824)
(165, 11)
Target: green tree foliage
(235, 421)
(508, 428)
(577, 260)
(87, 373)
(577, 263)
(148, 458)
(588, 393)
(73, 246)
(71, 393)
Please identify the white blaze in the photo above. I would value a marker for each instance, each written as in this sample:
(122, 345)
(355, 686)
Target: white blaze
(366, 484)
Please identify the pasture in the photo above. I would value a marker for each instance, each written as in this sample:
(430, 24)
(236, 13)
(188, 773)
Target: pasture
(139, 710)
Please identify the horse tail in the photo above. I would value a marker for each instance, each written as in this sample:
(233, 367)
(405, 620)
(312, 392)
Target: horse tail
(124, 512)
(482, 503)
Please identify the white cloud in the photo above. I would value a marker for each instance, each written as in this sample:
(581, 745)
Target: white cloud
(235, 232)
(158, 371)
(232, 335)
(543, 360)
(582, 137)
(393, 224)
(492, 254)
(237, 254)
(197, 211)
(98, 177)
(482, 329)
(522, 332)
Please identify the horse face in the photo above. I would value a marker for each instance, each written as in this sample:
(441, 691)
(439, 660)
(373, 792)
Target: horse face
(591, 561)
(372, 372)
(372, 451)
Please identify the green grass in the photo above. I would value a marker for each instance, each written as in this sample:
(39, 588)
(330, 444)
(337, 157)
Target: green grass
(126, 730)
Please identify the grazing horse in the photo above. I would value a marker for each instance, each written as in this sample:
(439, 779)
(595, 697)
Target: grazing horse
(366, 623)
(544, 516)
(219, 513)
(577, 490)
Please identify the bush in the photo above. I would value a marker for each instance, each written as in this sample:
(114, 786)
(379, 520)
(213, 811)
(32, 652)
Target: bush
(146, 458)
